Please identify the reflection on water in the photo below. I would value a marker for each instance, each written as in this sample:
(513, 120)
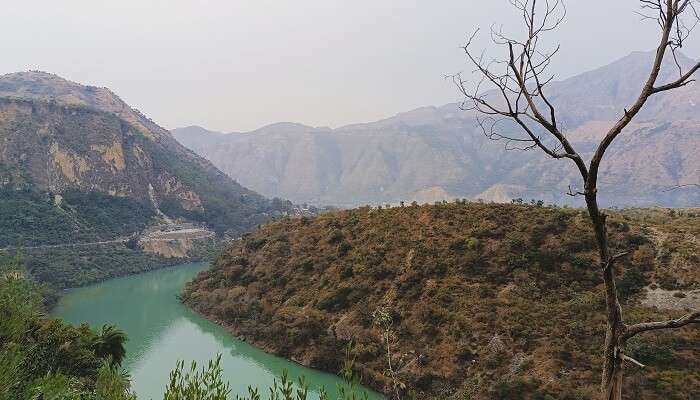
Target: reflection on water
(162, 331)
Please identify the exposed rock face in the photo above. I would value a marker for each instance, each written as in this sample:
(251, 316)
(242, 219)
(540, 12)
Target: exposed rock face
(57, 135)
(177, 243)
(440, 150)
(168, 249)
(45, 86)
(59, 147)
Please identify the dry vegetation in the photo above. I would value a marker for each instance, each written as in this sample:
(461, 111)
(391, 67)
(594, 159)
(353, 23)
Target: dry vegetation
(480, 301)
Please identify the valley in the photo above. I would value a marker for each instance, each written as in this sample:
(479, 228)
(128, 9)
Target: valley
(163, 331)
(533, 235)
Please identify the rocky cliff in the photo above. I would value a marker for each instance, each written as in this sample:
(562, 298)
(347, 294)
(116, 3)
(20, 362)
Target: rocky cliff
(81, 173)
(58, 136)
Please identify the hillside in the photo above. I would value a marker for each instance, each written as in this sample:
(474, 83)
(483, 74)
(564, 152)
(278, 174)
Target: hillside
(437, 153)
(481, 301)
(57, 135)
(79, 165)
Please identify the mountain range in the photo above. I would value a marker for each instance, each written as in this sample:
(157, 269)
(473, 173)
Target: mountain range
(438, 153)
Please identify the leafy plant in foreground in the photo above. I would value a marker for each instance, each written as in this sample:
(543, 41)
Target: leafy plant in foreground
(207, 384)
(204, 384)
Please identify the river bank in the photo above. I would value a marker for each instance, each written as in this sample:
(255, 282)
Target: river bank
(162, 331)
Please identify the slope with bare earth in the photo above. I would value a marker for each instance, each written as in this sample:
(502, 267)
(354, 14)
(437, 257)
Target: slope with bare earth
(58, 136)
(487, 301)
(78, 165)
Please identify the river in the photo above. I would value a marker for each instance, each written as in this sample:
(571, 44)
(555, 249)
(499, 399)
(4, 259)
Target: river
(162, 331)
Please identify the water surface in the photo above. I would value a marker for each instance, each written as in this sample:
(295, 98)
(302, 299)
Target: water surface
(162, 331)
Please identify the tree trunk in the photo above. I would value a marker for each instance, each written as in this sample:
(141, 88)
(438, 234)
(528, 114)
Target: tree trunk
(613, 365)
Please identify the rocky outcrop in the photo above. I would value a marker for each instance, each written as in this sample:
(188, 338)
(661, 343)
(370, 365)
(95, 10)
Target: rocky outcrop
(58, 136)
(56, 148)
(174, 242)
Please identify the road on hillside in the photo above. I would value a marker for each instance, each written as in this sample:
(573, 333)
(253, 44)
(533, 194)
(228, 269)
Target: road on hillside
(55, 246)
(189, 233)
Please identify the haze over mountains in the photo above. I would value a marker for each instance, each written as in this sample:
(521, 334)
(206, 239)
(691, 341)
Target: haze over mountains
(436, 153)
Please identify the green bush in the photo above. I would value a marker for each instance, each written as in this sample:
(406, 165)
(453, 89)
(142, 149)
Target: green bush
(43, 358)
(631, 282)
(337, 300)
(197, 384)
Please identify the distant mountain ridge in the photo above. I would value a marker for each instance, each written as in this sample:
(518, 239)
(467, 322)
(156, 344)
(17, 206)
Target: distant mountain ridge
(435, 153)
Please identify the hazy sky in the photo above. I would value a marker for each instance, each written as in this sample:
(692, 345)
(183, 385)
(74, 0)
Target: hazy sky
(241, 64)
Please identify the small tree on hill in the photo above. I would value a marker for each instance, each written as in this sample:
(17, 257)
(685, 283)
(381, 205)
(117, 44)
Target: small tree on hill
(516, 94)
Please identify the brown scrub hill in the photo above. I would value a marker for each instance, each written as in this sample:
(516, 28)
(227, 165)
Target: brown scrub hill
(481, 301)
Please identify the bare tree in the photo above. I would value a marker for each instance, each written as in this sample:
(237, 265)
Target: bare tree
(685, 185)
(510, 97)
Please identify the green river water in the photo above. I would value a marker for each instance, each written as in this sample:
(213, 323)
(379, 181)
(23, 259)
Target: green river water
(162, 331)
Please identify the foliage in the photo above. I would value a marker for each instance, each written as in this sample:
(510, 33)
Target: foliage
(66, 267)
(207, 384)
(56, 386)
(30, 218)
(194, 384)
(113, 383)
(43, 358)
(107, 215)
(109, 344)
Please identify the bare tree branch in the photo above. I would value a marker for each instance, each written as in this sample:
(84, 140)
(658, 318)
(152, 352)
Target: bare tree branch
(674, 187)
(632, 360)
(514, 89)
(519, 88)
(682, 81)
(668, 16)
(690, 318)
